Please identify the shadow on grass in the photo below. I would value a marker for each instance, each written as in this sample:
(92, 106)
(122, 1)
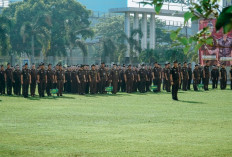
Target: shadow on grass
(50, 98)
(191, 102)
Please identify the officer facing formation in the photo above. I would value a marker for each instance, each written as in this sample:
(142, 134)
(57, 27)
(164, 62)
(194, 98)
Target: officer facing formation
(26, 80)
(214, 76)
(175, 80)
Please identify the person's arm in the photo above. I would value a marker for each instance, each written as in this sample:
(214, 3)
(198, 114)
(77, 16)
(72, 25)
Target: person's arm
(203, 72)
(46, 78)
(64, 78)
(21, 78)
(90, 78)
(84, 78)
(153, 75)
(38, 78)
(5, 76)
(220, 75)
(78, 79)
(125, 77)
(171, 79)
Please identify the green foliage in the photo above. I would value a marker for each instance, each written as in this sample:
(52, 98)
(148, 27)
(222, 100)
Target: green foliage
(225, 20)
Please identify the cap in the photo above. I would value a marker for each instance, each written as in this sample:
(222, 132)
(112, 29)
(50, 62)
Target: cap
(185, 62)
(196, 65)
(92, 65)
(8, 63)
(155, 62)
(129, 65)
(102, 62)
(25, 64)
(49, 64)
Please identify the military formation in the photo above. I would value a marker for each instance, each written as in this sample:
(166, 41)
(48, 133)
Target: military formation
(85, 79)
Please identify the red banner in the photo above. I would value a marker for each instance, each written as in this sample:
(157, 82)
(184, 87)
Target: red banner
(221, 51)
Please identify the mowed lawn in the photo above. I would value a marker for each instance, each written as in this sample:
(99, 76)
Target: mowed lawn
(200, 124)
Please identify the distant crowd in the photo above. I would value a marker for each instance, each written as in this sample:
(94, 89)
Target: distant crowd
(85, 79)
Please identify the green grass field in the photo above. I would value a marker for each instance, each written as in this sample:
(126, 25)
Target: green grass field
(200, 124)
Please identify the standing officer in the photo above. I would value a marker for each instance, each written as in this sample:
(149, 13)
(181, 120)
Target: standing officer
(142, 77)
(163, 76)
(175, 80)
(223, 77)
(114, 75)
(42, 80)
(156, 76)
(2, 80)
(60, 79)
(93, 79)
(74, 80)
(190, 76)
(9, 79)
(26, 80)
(50, 79)
(196, 77)
(231, 77)
(68, 80)
(206, 75)
(17, 78)
(167, 78)
(135, 82)
(214, 76)
(81, 75)
(122, 80)
(102, 77)
(184, 76)
(129, 78)
(86, 69)
(33, 74)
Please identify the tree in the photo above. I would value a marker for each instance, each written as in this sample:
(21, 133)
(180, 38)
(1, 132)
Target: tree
(4, 35)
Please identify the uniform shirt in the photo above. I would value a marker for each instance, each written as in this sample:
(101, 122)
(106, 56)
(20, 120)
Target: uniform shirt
(149, 74)
(93, 75)
(206, 69)
(50, 75)
(114, 75)
(73, 75)
(167, 72)
(60, 75)
(9, 74)
(81, 74)
(68, 76)
(196, 73)
(135, 73)
(86, 74)
(214, 74)
(42, 74)
(102, 73)
(184, 71)
(223, 73)
(2, 75)
(17, 75)
(129, 74)
(175, 74)
(33, 75)
(190, 72)
(143, 74)
(156, 72)
(26, 74)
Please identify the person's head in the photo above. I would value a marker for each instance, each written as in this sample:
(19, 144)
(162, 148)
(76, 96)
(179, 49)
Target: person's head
(17, 67)
(93, 67)
(103, 64)
(214, 67)
(42, 66)
(60, 67)
(166, 65)
(179, 64)
(8, 65)
(207, 63)
(114, 66)
(129, 67)
(175, 64)
(2, 67)
(185, 64)
(223, 65)
(189, 65)
(49, 66)
(169, 65)
(196, 66)
(156, 64)
(33, 66)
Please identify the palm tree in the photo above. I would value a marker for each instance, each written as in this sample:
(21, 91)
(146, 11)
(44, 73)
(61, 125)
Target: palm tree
(133, 43)
(5, 25)
(36, 30)
(76, 38)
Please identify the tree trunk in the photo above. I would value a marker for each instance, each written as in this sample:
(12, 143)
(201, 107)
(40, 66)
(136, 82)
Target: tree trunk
(32, 49)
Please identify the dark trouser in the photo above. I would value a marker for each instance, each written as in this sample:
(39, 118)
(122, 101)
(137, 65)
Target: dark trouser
(206, 83)
(147, 86)
(135, 86)
(17, 88)
(93, 87)
(9, 87)
(168, 86)
(123, 86)
(180, 84)
(86, 87)
(102, 86)
(115, 86)
(223, 83)
(25, 88)
(214, 83)
(195, 84)
(81, 86)
(185, 84)
(231, 84)
(175, 88)
(164, 84)
(157, 82)
(142, 86)
(33, 86)
(60, 86)
(54, 85)
(68, 86)
(129, 86)
(49, 87)
(74, 86)
(189, 83)
(2, 87)
(41, 87)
